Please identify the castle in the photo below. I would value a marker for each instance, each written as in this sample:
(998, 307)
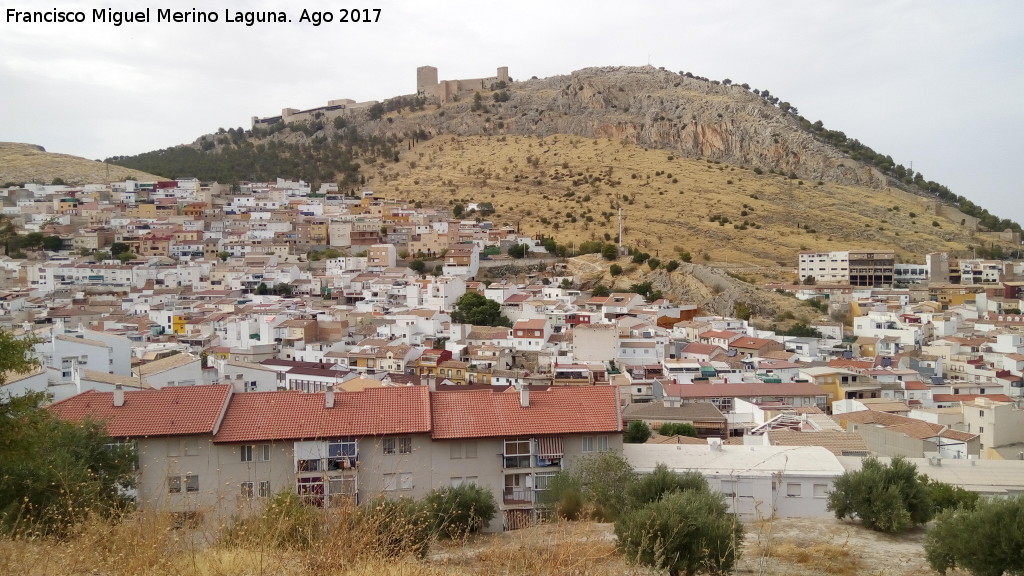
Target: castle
(445, 90)
(426, 85)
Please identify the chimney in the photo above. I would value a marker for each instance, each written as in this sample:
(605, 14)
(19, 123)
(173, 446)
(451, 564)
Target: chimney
(524, 397)
(329, 397)
(118, 396)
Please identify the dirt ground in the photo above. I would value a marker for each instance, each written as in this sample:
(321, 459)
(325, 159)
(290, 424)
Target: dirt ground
(793, 546)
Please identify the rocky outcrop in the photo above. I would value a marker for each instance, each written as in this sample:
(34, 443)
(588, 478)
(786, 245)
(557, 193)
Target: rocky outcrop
(653, 108)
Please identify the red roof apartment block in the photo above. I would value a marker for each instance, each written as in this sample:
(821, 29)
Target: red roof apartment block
(488, 413)
(265, 416)
(171, 411)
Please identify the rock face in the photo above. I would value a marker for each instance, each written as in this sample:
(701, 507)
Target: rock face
(652, 108)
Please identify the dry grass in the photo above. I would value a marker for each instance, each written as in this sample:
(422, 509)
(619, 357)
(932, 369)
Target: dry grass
(667, 205)
(21, 163)
(148, 544)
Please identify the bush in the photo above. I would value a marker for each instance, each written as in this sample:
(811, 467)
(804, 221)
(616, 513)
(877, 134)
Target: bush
(678, 429)
(637, 432)
(456, 512)
(594, 487)
(986, 541)
(610, 251)
(685, 532)
(395, 528)
(615, 269)
(671, 266)
(886, 497)
(948, 497)
(54, 474)
(286, 522)
(652, 487)
(653, 263)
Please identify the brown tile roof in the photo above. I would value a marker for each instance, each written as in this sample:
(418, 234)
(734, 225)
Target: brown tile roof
(705, 411)
(486, 413)
(743, 390)
(839, 443)
(165, 364)
(262, 416)
(172, 411)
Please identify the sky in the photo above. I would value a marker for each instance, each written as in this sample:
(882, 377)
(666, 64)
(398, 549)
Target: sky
(936, 83)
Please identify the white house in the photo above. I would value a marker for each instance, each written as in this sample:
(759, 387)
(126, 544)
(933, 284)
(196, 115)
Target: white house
(757, 481)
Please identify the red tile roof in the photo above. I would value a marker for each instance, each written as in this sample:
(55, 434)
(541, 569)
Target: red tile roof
(262, 416)
(172, 411)
(487, 413)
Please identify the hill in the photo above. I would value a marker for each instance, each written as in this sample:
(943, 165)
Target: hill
(21, 163)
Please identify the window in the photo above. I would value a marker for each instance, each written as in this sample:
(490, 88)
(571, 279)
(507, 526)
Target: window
(405, 481)
(821, 490)
(470, 449)
(343, 486)
(793, 489)
(192, 483)
(174, 484)
(246, 452)
(981, 429)
(456, 451)
(390, 482)
(341, 454)
(542, 481)
(398, 445)
(174, 447)
(247, 490)
(595, 443)
(729, 488)
(264, 489)
(264, 453)
(191, 447)
(313, 465)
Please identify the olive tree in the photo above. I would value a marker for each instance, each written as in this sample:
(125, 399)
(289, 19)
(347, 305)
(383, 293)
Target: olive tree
(885, 497)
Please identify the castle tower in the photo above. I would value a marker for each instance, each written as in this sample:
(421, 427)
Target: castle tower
(503, 74)
(426, 79)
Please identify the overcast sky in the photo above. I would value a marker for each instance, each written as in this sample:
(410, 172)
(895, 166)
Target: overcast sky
(936, 83)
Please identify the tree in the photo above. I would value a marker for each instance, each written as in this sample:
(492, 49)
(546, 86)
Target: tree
(886, 497)
(459, 511)
(615, 269)
(671, 266)
(54, 473)
(458, 210)
(283, 289)
(600, 291)
(637, 432)
(476, 309)
(126, 256)
(223, 256)
(519, 251)
(376, 111)
(418, 266)
(810, 280)
(948, 497)
(652, 487)
(262, 289)
(119, 248)
(52, 243)
(653, 263)
(985, 541)
(684, 532)
(594, 485)
(610, 251)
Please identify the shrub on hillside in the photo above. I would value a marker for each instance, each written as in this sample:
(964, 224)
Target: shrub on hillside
(686, 532)
(985, 541)
(885, 497)
(457, 511)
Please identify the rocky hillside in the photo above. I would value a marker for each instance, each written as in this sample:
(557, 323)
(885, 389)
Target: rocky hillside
(21, 163)
(652, 108)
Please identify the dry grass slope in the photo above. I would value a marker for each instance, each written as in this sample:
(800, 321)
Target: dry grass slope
(571, 187)
(148, 545)
(20, 163)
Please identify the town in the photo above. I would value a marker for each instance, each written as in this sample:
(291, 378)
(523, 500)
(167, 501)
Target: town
(269, 337)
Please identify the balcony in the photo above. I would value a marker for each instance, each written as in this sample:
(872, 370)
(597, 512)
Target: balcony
(514, 497)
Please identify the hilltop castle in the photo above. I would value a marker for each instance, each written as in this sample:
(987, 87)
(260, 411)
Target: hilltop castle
(428, 85)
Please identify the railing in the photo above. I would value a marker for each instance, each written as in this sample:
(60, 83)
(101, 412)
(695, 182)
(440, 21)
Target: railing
(517, 496)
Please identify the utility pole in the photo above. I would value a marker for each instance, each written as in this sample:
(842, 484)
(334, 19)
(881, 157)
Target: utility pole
(620, 230)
